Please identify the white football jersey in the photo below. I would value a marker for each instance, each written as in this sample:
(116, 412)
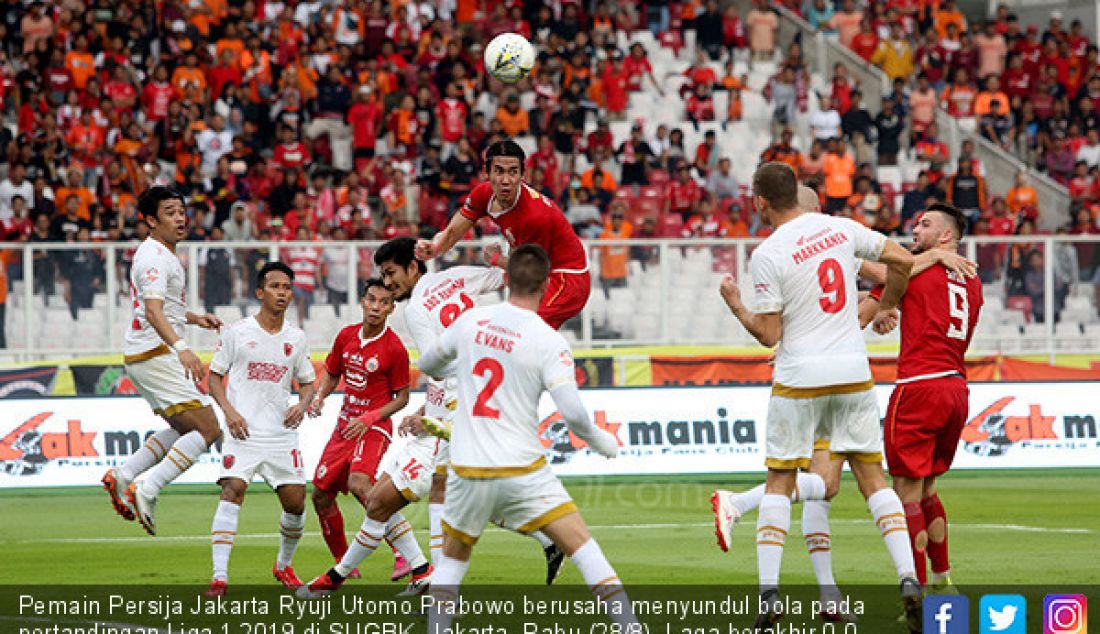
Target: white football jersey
(436, 302)
(504, 357)
(806, 270)
(155, 274)
(260, 367)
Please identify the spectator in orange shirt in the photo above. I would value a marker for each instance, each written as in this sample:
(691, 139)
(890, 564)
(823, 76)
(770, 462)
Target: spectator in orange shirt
(80, 62)
(230, 43)
(74, 186)
(614, 258)
(983, 102)
(190, 80)
(947, 14)
(512, 118)
(1022, 195)
(734, 226)
(839, 168)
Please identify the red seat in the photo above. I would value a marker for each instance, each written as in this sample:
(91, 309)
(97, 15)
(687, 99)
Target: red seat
(652, 191)
(658, 177)
(890, 195)
(1021, 303)
(670, 225)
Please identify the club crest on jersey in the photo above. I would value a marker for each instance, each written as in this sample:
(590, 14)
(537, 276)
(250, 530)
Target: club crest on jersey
(152, 274)
(228, 460)
(288, 348)
(321, 471)
(566, 358)
(372, 364)
(252, 345)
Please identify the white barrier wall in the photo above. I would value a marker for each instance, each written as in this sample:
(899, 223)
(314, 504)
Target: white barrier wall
(71, 441)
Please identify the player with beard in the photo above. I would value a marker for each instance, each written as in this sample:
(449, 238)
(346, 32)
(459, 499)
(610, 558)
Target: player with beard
(929, 406)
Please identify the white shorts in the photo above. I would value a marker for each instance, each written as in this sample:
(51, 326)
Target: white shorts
(278, 465)
(524, 503)
(412, 467)
(162, 383)
(849, 422)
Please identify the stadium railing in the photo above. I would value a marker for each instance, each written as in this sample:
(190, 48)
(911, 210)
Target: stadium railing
(644, 292)
(822, 53)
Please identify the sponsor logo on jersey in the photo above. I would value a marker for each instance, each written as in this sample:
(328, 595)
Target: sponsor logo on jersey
(263, 371)
(288, 349)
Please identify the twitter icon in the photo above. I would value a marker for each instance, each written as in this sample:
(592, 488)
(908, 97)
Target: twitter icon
(1003, 614)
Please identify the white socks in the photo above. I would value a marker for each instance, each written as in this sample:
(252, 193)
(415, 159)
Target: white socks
(180, 457)
(396, 530)
(603, 582)
(435, 530)
(541, 538)
(772, 525)
(819, 543)
(889, 516)
(153, 451)
(446, 579)
(808, 486)
(399, 533)
(290, 532)
(365, 543)
(223, 531)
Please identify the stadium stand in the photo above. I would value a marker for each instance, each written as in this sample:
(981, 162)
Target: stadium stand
(323, 121)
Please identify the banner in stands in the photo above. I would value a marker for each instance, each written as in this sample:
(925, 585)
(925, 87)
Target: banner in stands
(72, 441)
(27, 382)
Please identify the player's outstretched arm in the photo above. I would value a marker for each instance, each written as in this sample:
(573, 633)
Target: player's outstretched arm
(207, 321)
(899, 264)
(767, 328)
(568, 401)
(876, 271)
(443, 241)
(234, 422)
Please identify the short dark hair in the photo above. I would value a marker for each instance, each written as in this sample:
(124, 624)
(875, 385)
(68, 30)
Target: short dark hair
(270, 267)
(150, 200)
(776, 183)
(372, 283)
(528, 268)
(401, 251)
(958, 219)
(505, 148)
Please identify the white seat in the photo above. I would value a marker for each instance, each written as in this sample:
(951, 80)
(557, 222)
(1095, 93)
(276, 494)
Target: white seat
(322, 311)
(58, 316)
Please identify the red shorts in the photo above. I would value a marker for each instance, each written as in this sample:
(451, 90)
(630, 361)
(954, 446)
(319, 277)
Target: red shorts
(923, 423)
(566, 295)
(343, 456)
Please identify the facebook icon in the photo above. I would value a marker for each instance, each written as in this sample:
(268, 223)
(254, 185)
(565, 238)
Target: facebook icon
(946, 614)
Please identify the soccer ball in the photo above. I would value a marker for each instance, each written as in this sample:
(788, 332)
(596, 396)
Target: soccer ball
(509, 57)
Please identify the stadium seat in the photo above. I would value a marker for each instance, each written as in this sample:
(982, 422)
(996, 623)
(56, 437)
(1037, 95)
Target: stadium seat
(228, 314)
(1021, 304)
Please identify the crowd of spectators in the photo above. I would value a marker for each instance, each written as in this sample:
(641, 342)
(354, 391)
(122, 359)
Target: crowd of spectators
(365, 119)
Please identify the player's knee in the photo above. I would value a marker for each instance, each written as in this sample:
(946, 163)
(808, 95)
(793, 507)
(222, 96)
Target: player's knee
(321, 499)
(360, 488)
(233, 491)
(832, 487)
(296, 507)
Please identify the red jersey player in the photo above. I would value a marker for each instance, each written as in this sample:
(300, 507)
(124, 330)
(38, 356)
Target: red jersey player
(525, 217)
(375, 367)
(928, 408)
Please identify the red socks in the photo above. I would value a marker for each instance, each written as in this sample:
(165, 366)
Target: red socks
(937, 551)
(914, 518)
(332, 528)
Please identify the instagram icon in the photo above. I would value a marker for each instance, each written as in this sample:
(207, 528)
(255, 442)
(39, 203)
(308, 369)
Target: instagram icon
(1065, 614)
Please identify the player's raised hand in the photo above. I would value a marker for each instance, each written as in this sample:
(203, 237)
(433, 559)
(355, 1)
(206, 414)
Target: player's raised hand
(209, 322)
(425, 250)
(193, 368)
(295, 414)
(885, 321)
(236, 425)
(315, 406)
(956, 263)
(411, 426)
(730, 291)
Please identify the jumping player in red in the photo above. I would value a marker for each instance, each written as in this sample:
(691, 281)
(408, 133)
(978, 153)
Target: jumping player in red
(525, 217)
(928, 408)
(375, 367)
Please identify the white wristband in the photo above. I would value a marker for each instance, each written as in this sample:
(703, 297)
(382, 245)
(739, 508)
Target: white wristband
(180, 345)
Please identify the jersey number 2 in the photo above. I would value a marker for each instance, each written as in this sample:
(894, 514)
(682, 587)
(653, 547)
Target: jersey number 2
(831, 279)
(958, 306)
(495, 373)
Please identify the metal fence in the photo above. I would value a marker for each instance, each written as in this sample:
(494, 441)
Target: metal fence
(71, 300)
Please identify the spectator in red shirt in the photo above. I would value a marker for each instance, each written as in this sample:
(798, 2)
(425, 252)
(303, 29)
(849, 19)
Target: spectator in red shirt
(226, 72)
(290, 153)
(637, 67)
(683, 193)
(866, 41)
(700, 106)
(615, 81)
(157, 94)
(451, 114)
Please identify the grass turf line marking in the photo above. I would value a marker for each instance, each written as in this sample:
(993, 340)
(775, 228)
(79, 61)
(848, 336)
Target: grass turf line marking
(206, 537)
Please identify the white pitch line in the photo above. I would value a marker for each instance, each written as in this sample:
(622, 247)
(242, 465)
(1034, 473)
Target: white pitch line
(614, 527)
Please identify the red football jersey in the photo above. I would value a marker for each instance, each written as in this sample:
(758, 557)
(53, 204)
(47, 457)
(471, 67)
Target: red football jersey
(938, 314)
(373, 370)
(534, 219)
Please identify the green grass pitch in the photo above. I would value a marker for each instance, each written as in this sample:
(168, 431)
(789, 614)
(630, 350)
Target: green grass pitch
(1007, 527)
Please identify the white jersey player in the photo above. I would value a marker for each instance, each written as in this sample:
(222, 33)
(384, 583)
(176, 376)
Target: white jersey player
(160, 364)
(806, 301)
(436, 300)
(504, 357)
(262, 356)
